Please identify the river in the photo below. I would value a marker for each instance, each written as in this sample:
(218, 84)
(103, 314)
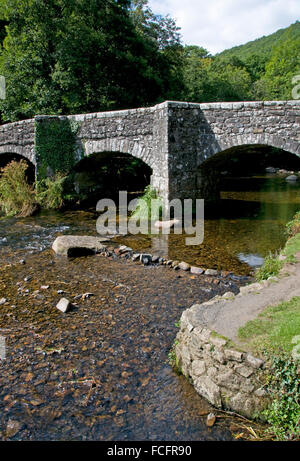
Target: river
(101, 372)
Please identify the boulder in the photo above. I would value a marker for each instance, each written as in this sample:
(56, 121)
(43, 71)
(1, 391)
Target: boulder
(77, 245)
(271, 169)
(292, 177)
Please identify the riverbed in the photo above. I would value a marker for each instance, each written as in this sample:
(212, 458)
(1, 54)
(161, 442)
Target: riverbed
(101, 372)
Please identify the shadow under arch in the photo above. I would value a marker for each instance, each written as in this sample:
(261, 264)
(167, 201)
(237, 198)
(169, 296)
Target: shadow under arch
(7, 157)
(241, 161)
(223, 142)
(104, 174)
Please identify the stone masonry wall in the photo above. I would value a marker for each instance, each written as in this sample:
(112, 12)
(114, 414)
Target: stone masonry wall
(198, 131)
(226, 376)
(141, 133)
(18, 138)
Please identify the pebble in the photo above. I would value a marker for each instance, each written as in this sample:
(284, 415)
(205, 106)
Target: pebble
(44, 287)
(2, 301)
(28, 278)
(13, 427)
(210, 420)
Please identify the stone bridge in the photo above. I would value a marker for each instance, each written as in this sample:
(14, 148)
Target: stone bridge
(173, 138)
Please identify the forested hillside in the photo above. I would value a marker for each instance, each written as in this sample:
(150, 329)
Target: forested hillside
(264, 45)
(62, 57)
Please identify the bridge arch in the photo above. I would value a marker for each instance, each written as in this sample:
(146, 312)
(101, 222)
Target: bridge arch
(7, 156)
(123, 146)
(104, 173)
(264, 139)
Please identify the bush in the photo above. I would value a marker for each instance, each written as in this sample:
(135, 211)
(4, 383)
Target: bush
(17, 197)
(293, 226)
(50, 192)
(283, 414)
(270, 267)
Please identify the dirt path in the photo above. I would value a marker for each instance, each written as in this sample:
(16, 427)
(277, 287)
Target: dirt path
(227, 316)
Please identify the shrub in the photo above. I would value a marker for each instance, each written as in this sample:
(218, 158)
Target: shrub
(50, 192)
(17, 197)
(293, 226)
(283, 414)
(270, 267)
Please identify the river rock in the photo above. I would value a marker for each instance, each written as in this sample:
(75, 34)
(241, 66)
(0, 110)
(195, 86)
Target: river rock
(145, 258)
(13, 427)
(155, 258)
(77, 245)
(292, 177)
(271, 169)
(211, 272)
(197, 270)
(166, 224)
(64, 305)
(184, 266)
(210, 420)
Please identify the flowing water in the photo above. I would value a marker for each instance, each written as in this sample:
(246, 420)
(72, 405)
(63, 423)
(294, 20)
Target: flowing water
(100, 372)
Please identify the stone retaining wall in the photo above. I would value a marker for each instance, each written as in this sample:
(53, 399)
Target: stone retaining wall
(221, 373)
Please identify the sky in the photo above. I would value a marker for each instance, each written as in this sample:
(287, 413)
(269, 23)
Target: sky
(220, 24)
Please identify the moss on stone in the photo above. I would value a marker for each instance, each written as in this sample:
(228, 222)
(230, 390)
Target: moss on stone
(55, 145)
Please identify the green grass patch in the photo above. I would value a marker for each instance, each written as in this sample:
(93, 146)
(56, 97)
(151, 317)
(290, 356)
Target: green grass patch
(274, 329)
(292, 246)
(270, 268)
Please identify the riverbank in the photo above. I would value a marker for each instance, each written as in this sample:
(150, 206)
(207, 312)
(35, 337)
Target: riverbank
(217, 338)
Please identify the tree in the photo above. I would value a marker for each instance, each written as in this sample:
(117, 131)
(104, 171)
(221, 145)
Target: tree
(86, 55)
(282, 66)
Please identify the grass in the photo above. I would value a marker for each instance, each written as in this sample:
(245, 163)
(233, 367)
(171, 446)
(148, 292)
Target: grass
(17, 197)
(274, 329)
(270, 268)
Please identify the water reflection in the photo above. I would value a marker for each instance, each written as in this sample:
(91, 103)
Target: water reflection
(240, 231)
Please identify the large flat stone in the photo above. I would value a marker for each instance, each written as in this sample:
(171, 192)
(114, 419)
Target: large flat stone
(78, 245)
